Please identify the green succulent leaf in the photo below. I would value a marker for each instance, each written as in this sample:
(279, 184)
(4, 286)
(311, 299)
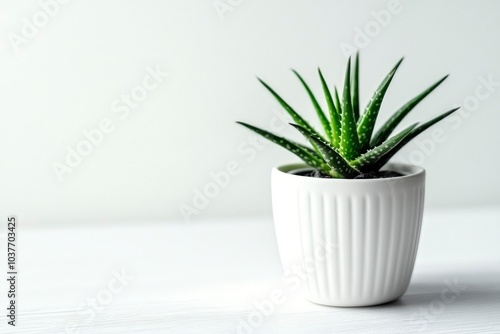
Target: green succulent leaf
(296, 117)
(321, 115)
(334, 115)
(365, 161)
(340, 168)
(385, 131)
(349, 142)
(367, 121)
(415, 132)
(338, 105)
(355, 88)
(306, 154)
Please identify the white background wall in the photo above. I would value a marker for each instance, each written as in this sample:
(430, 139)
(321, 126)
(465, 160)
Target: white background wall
(65, 77)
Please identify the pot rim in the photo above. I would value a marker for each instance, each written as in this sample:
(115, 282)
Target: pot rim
(409, 171)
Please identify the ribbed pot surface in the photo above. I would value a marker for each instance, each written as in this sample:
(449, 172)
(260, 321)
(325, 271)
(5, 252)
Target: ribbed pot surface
(356, 240)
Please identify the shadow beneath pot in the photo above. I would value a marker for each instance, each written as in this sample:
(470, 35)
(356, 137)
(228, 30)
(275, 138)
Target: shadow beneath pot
(453, 290)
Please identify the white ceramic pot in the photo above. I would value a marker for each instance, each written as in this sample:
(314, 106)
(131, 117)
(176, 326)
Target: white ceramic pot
(356, 240)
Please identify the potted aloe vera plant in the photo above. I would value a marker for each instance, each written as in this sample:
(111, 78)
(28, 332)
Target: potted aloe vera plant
(346, 194)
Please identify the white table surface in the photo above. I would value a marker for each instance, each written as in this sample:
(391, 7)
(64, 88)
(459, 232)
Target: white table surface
(204, 277)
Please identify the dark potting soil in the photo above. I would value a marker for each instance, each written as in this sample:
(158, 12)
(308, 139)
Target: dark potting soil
(370, 175)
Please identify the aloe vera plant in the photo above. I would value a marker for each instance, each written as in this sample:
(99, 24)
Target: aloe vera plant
(348, 145)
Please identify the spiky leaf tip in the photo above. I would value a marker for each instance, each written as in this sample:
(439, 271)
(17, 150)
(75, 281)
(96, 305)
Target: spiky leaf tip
(355, 88)
(385, 130)
(367, 121)
(333, 112)
(304, 153)
(295, 116)
(338, 105)
(415, 132)
(349, 142)
(321, 115)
